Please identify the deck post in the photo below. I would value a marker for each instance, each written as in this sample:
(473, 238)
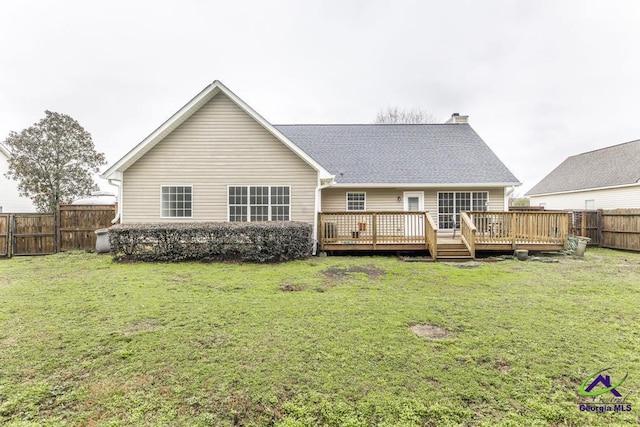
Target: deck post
(513, 230)
(565, 227)
(426, 232)
(374, 229)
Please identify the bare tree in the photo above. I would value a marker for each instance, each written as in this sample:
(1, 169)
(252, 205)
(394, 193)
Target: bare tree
(395, 115)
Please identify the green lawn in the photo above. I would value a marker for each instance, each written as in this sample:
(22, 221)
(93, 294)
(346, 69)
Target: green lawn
(84, 341)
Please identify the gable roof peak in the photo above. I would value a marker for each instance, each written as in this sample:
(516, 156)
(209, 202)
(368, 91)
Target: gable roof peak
(204, 96)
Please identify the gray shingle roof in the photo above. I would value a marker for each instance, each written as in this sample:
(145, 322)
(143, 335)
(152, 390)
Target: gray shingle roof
(401, 154)
(607, 167)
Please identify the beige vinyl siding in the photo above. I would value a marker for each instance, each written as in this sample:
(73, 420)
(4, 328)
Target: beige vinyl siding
(218, 146)
(612, 198)
(386, 199)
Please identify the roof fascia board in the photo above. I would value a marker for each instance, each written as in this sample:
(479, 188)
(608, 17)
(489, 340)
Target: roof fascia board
(429, 185)
(582, 190)
(187, 111)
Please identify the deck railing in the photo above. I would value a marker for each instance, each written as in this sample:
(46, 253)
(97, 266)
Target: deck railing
(416, 230)
(468, 233)
(431, 234)
(377, 229)
(520, 227)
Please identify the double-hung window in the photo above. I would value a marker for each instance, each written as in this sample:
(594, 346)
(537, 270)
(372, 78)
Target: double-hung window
(259, 203)
(356, 201)
(176, 201)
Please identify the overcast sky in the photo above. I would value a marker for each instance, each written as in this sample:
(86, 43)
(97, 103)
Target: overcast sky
(540, 79)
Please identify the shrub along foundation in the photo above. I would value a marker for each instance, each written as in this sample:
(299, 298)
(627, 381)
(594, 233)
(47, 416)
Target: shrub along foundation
(223, 241)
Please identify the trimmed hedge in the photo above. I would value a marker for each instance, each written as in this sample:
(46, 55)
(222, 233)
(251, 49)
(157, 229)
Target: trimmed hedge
(212, 241)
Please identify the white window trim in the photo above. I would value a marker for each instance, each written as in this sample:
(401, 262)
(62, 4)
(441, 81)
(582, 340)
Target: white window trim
(346, 201)
(247, 186)
(192, 201)
(589, 201)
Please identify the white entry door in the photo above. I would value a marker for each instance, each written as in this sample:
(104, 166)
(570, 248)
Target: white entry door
(414, 224)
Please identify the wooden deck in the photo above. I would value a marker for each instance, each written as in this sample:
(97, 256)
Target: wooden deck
(416, 231)
(377, 231)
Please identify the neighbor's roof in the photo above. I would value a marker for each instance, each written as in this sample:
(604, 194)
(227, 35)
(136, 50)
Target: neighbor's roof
(607, 167)
(401, 154)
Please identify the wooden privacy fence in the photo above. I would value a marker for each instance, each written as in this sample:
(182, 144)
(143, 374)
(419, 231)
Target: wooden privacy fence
(77, 225)
(614, 228)
(586, 224)
(620, 229)
(71, 227)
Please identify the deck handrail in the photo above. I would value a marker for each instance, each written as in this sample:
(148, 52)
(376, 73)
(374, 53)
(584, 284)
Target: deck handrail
(356, 213)
(534, 227)
(431, 235)
(391, 230)
(468, 233)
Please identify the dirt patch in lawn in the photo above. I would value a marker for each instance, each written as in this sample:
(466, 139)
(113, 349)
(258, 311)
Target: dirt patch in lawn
(339, 273)
(8, 341)
(502, 366)
(432, 332)
(291, 288)
(144, 325)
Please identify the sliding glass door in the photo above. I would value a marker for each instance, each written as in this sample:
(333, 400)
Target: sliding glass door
(451, 203)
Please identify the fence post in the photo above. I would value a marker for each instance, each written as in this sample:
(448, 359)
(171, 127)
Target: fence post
(600, 225)
(57, 234)
(10, 225)
(583, 224)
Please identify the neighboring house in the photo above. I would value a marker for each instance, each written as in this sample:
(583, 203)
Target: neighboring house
(96, 198)
(10, 199)
(217, 159)
(608, 178)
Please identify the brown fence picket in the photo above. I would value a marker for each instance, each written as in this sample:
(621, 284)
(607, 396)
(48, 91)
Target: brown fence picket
(77, 225)
(71, 227)
(586, 224)
(612, 228)
(4, 235)
(32, 234)
(621, 229)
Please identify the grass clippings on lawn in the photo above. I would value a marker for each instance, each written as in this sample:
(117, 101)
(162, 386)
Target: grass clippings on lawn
(84, 341)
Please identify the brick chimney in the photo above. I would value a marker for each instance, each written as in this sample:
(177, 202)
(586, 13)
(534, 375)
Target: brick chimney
(457, 118)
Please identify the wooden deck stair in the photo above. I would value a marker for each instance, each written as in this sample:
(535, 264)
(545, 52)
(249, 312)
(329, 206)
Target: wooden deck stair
(453, 252)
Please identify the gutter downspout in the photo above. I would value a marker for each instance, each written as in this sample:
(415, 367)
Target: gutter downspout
(117, 183)
(508, 192)
(318, 198)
